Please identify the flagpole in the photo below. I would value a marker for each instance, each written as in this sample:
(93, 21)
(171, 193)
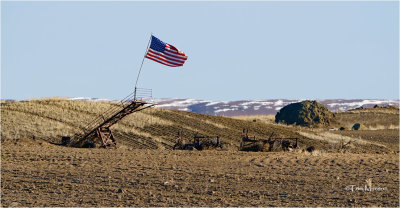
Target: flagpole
(137, 78)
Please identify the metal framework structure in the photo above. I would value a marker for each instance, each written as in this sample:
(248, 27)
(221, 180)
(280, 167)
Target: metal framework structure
(197, 137)
(284, 143)
(197, 143)
(99, 128)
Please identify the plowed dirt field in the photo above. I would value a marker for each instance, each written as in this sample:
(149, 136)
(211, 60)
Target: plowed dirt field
(36, 173)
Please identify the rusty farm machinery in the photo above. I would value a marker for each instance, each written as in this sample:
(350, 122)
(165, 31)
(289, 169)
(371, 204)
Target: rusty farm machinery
(199, 142)
(98, 133)
(248, 143)
(251, 143)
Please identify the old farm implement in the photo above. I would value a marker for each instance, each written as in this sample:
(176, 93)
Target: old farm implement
(200, 142)
(98, 130)
(251, 143)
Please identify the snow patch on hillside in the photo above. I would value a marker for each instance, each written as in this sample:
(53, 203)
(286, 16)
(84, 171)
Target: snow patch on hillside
(363, 102)
(251, 107)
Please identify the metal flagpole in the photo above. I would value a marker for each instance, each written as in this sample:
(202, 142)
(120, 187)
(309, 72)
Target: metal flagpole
(137, 79)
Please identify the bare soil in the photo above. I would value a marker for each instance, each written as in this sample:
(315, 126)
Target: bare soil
(36, 173)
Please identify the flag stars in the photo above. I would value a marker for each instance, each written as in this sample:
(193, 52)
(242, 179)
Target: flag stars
(157, 44)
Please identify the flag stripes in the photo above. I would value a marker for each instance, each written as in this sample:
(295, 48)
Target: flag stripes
(165, 53)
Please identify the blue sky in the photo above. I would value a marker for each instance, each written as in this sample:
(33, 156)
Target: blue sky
(236, 50)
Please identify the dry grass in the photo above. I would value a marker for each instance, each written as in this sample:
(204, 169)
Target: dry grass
(387, 137)
(17, 124)
(372, 119)
(49, 119)
(381, 127)
(55, 117)
(269, 119)
(52, 118)
(335, 139)
(215, 124)
(391, 110)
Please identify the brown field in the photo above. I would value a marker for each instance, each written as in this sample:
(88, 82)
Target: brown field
(144, 171)
(35, 173)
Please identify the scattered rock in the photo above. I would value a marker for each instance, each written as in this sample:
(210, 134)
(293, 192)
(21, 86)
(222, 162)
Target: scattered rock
(310, 149)
(120, 191)
(342, 128)
(306, 113)
(356, 126)
(169, 182)
(352, 201)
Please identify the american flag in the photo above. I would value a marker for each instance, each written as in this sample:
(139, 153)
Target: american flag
(165, 53)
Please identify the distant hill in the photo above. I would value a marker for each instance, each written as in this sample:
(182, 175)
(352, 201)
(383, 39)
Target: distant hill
(157, 128)
(250, 107)
(260, 107)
